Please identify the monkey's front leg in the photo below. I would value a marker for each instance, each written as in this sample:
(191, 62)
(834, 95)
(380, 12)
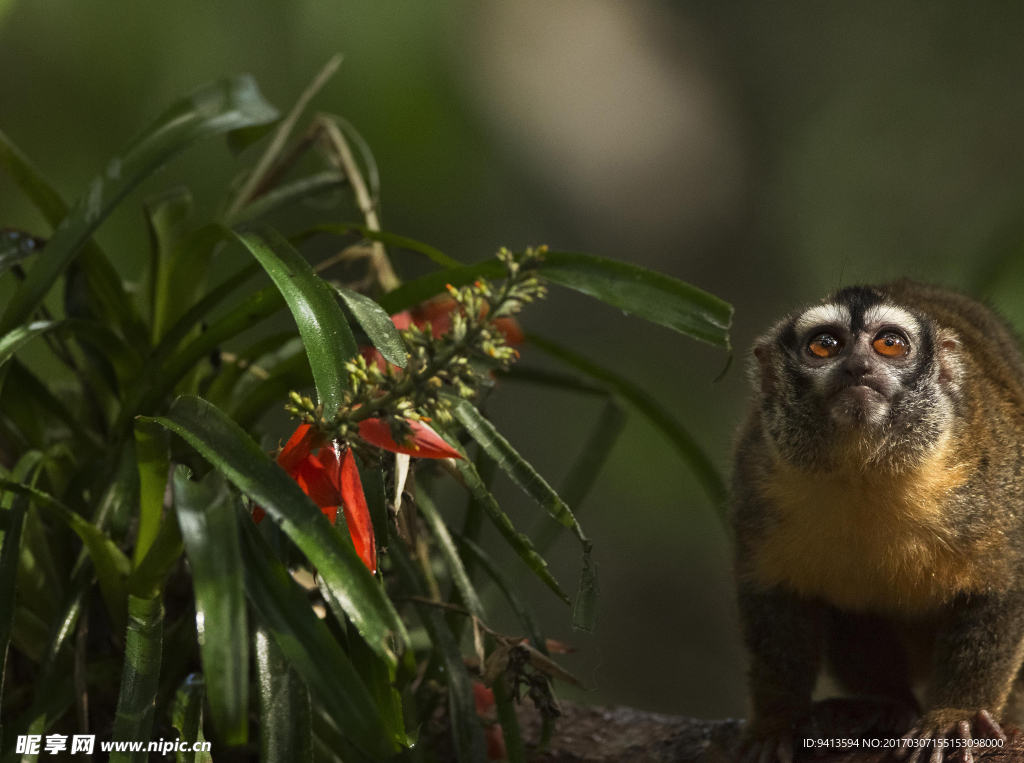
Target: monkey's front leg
(977, 656)
(784, 635)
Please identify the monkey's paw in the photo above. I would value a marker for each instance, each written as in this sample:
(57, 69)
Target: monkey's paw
(948, 735)
(767, 744)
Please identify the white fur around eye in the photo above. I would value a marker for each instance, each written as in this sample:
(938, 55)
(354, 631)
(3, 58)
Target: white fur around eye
(896, 316)
(821, 315)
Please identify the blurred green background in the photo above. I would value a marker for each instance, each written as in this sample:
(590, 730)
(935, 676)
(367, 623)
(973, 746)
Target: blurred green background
(767, 153)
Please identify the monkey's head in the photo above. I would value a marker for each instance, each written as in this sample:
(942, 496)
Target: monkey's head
(857, 376)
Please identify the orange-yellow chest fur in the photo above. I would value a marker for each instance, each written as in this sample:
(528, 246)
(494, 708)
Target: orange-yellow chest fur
(867, 541)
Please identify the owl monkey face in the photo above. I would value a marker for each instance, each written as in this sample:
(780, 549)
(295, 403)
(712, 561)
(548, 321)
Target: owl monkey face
(856, 368)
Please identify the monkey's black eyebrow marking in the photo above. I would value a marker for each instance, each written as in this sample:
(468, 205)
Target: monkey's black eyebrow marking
(858, 300)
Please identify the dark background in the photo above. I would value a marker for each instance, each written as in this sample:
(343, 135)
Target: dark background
(766, 152)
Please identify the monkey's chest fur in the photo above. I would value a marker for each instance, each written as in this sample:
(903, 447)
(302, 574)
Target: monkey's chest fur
(872, 542)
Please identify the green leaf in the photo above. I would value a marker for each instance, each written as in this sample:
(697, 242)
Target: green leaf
(112, 566)
(266, 164)
(14, 340)
(513, 464)
(209, 528)
(372, 480)
(467, 733)
(215, 108)
(509, 723)
(181, 275)
(325, 332)
(519, 542)
(304, 188)
(290, 374)
(160, 379)
(388, 239)
(152, 452)
(232, 371)
(141, 677)
(147, 579)
(527, 478)
(16, 246)
(167, 215)
(645, 293)
(9, 554)
(286, 734)
(692, 454)
(239, 140)
(309, 646)
(501, 580)
(427, 509)
(104, 284)
(585, 469)
(225, 445)
(187, 718)
(653, 296)
(379, 679)
(377, 324)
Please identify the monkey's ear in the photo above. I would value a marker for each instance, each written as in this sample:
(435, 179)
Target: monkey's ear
(948, 354)
(764, 369)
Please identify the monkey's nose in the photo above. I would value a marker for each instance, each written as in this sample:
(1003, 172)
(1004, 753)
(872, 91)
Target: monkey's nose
(856, 366)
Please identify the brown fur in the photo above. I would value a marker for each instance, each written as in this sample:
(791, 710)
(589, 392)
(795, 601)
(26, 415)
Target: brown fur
(911, 530)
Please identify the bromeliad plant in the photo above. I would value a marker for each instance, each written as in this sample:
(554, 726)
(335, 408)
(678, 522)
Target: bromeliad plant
(157, 563)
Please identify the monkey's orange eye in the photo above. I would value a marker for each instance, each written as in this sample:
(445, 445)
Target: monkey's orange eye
(824, 345)
(891, 345)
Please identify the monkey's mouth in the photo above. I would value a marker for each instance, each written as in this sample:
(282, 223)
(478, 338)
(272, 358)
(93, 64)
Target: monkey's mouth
(861, 403)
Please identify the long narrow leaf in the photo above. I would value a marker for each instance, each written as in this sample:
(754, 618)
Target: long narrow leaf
(152, 452)
(377, 324)
(141, 677)
(645, 293)
(427, 509)
(9, 554)
(586, 468)
(308, 187)
(286, 734)
(692, 453)
(467, 733)
(231, 450)
(309, 647)
(182, 274)
(372, 480)
(517, 540)
(388, 239)
(527, 478)
(187, 718)
(209, 528)
(101, 277)
(505, 586)
(325, 332)
(215, 108)
(291, 374)
(160, 381)
(14, 340)
(509, 723)
(112, 566)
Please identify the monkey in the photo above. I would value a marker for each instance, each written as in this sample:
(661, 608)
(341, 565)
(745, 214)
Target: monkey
(877, 508)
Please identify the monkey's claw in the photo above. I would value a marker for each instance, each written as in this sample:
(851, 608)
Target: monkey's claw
(948, 735)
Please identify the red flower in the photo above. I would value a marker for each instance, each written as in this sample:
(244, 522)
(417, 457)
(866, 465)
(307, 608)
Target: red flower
(424, 442)
(483, 698)
(438, 311)
(330, 482)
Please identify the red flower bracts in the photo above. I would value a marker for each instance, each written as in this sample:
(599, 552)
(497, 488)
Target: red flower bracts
(423, 442)
(330, 482)
(483, 698)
